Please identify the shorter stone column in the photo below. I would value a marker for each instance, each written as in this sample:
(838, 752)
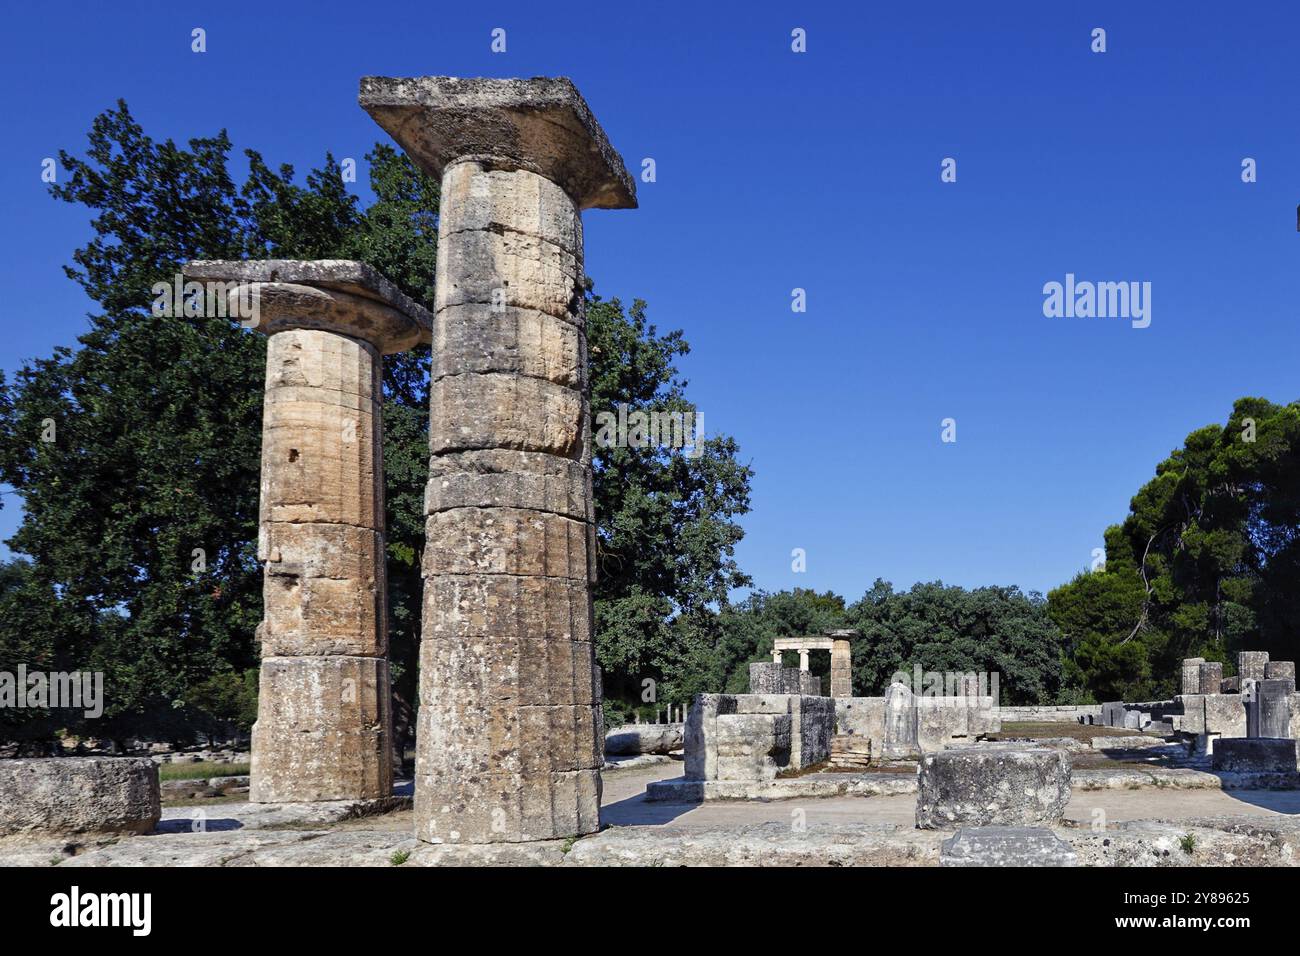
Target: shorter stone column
(323, 729)
(841, 664)
(803, 658)
(1211, 677)
(1252, 665)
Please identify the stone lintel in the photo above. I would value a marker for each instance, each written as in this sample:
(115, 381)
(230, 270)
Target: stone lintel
(540, 124)
(347, 297)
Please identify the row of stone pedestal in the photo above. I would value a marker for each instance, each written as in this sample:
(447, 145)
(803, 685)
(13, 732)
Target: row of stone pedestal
(508, 728)
(1200, 676)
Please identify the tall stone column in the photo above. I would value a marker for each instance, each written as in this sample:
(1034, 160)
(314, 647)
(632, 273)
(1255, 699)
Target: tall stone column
(803, 659)
(508, 732)
(324, 726)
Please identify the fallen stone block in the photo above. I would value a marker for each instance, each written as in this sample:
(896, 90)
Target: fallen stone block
(992, 787)
(644, 739)
(1006, 846)
(79, 795)
(1257, 755)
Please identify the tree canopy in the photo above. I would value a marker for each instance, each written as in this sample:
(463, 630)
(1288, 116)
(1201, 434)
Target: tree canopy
(136, 453)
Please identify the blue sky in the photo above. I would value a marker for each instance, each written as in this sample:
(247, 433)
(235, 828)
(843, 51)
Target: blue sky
(820, 170)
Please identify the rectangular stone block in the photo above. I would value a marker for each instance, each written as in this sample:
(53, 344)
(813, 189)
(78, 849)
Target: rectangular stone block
(1252, 665)
(1256, 755)
(763, 703)
(811, 729)
(1225, 715)
(1192, 675)
(862, 717)
(1279, 670)
(1230, 685)
(790, 680)
(810, 685)
(752, 746)
(700, 735)
(765, 678)
(1211, 677)
(940, 721)
(1271, 715)
(1112, 712)
(1193, 717)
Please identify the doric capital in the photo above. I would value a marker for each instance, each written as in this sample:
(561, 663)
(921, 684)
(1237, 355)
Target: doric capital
(541, 124)
(333, 295)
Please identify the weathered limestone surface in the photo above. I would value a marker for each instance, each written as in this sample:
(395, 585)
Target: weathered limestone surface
(765, 677)
(509, 744)
(752, 746)
(1112, 712)
(810, 685)
(1225, 714)
(987, 787)
(1256, 755)
(841, 664)
(79, 795)
(324, 712)
(1191, 675)
(811, 731)
(738, 737)
(541, 125)
(1279, 670)
(644, 739)
(900, 722)
(862, 717)
(1006, 846)
(1252, 665)
(1270, 708)
(1211, 677)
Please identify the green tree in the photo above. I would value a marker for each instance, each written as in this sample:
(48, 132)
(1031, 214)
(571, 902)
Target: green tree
(136, 453)
(666, 520)
(989, 630)
(1206, 563)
